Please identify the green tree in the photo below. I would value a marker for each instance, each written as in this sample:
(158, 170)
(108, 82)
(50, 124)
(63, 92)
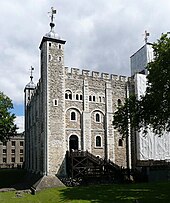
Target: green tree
(7, 126)
(154, 108)
(128, 114)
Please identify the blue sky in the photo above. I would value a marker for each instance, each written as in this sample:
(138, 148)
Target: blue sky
(18, 109)
(100, 35)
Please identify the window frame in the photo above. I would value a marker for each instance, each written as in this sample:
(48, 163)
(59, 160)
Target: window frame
(120, 142)
(21, 143)
(119, 102)
(55, 102)
(12, 151)
(99, 118)
(98, 141)
(77, 97)
(68, 95)
(4, 160)
(75, 116)
(13, 143)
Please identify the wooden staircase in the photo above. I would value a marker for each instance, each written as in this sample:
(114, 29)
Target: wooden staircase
(84, 165)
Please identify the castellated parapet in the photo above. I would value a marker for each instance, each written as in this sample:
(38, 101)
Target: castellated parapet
(94, 74)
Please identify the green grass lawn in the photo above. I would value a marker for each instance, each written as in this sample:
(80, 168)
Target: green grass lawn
(143, 192)
(152, 192)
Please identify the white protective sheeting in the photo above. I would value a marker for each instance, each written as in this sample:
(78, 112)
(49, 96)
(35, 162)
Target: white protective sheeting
(150, 146)
(141, 58)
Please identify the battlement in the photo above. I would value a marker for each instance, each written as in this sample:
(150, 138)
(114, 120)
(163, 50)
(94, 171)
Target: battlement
(95, 74)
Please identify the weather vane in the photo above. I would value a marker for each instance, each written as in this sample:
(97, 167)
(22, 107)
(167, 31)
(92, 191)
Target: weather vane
(31, 76)
(52, 12)
(146, 36)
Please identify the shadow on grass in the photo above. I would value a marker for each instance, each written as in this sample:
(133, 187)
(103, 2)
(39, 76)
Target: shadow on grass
(9, 177)
(141, 193)
(18, 179)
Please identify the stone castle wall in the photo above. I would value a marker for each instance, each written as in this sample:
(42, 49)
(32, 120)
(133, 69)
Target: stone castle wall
(61, 92)
(97, 99)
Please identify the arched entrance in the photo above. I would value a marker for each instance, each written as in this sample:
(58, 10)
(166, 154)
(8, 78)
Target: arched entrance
(73, 142)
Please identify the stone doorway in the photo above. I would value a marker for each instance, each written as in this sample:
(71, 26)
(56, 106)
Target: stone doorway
(73, 142)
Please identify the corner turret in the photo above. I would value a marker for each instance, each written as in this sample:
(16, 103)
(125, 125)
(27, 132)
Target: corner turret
(29, 88)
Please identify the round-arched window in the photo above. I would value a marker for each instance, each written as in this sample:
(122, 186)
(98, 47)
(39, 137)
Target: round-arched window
(98, 141)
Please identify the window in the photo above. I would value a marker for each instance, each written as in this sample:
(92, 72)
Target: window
(68, 94)
(49, 57)
(59, 58)
(4, 143)
(94, 98)
(21, 151)
(119, 102)
(21, 159)
(4, 160)
(77, 97)
(90, 98)
(98, 141)
(97, 117)
(59, 46)
(13, 159)
(21, 143)
(120, 144)
(4, 151)
(13, 143)
(73, 116)
(55, 102)
(100, 99)
(13, 151)
(49, 44)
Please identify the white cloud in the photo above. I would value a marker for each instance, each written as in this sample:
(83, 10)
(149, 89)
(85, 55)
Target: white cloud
(19, 121)
(100, 35)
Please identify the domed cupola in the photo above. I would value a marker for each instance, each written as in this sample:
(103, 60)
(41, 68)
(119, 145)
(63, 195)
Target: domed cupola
(29, 88)
(31, 84)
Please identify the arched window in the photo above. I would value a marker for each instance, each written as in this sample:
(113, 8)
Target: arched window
(94, 98)
(68, 94)
(81, 97)
(97, 117)
(119, 102)
(89, 98)
(73, 116)
(77, 97)
(98, 141)
(59, 58)
(73, 142)
(120, 144)
(55, 102)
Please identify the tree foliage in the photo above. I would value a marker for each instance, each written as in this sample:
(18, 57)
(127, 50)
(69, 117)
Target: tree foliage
(127, 114)
(154, 108)
(7, 126)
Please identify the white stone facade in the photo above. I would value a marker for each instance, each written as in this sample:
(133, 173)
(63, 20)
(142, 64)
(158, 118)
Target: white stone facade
(71, 110)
